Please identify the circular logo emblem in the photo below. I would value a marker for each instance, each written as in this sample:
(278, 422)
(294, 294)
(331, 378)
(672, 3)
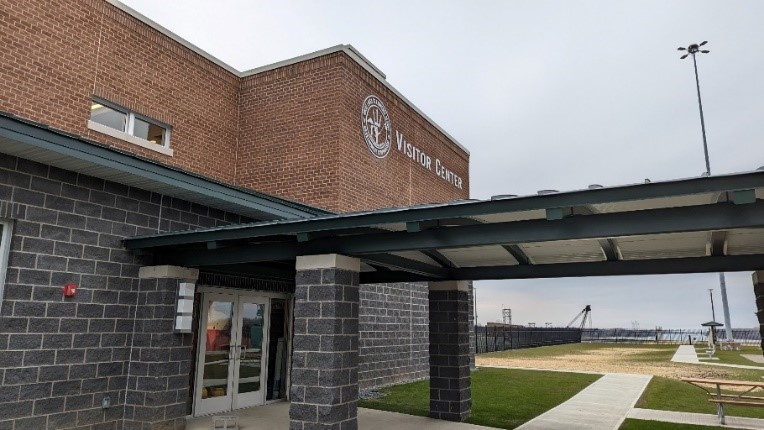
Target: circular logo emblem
(375, 124)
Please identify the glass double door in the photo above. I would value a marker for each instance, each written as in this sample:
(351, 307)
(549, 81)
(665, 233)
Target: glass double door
(231, 368)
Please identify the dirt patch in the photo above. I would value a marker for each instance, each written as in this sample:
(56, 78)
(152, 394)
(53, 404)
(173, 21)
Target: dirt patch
(611, 360)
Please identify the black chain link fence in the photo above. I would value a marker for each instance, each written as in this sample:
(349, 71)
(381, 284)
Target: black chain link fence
(501, 337)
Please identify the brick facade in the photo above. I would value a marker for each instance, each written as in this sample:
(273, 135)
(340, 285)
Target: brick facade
(306, 119)
(293, 132)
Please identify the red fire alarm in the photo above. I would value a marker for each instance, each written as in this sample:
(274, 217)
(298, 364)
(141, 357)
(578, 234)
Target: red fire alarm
(70, 289)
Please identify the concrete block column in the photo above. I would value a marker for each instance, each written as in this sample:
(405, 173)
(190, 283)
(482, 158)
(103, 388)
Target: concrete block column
(450, 384)
(758, 291)
(324, 376)
(158, 383)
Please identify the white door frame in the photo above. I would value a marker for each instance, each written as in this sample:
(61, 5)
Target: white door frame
(231, 400)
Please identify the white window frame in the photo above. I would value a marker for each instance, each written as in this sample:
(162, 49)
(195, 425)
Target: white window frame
(127, 135)
(5, 247)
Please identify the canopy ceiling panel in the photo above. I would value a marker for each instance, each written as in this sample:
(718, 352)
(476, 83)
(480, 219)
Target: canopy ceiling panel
(669, 245)
(417, 256)
(570, 251)
(745, 241)
(493, 255)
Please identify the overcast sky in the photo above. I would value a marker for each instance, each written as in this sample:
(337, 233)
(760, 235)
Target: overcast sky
(545, 95)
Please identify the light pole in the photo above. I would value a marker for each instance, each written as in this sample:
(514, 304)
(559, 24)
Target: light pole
(692, 50)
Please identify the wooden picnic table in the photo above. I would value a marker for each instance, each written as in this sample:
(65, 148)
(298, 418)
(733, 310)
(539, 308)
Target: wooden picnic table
(729, 399)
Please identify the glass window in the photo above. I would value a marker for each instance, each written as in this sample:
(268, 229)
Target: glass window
(148, 131)
(107, 116)
(5, 244)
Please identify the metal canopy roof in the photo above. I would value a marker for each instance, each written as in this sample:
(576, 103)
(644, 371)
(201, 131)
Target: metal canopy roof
(38, 143)
(701, 224)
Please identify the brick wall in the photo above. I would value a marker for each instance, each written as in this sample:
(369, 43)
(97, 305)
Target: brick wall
(60, 356)
(294, 132)
(57, 55)
(301, 138)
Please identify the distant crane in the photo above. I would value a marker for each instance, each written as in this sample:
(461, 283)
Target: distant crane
(586, 313)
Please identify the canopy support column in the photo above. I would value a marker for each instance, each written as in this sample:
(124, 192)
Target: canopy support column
(450, 383)
(324, 390)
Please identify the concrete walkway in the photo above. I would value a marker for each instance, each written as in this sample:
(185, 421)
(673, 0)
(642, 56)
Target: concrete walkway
(756, 358)
(685, 354)
(602, 405)
(276, 416)
(694, 418)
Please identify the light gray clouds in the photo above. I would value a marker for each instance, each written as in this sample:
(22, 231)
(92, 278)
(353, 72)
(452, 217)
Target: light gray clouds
(545, 95)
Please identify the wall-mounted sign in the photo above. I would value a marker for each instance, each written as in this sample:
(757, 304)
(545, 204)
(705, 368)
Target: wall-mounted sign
(375, 123)
(376, 128)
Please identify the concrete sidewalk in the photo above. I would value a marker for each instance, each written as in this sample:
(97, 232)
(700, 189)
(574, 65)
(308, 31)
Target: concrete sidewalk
(694, 418)
(685, 354)
(276, 416)
(602, 405)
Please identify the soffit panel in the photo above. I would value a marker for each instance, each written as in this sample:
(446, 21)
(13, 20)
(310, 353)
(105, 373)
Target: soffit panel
(669, 245)
(493, 255)
(417, 256)
(568, 251)
(745, 242)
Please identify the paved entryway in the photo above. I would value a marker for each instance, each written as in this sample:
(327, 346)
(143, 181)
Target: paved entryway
(276, 416)
(756, 358)
(602, 405)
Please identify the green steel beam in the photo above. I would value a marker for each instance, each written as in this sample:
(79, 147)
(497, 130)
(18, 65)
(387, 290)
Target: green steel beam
(604, 268)
(712, 184)
(722, 216)
(656, 221)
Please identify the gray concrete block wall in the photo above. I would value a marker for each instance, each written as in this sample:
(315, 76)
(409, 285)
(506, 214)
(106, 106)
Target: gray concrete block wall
(59, 357)
(450, 383)
(324, 390)
(393, 325)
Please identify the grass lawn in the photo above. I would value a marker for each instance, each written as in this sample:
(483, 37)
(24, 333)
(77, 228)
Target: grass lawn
(502, 398)
(672, 395)
(733, 357)
(631, 424)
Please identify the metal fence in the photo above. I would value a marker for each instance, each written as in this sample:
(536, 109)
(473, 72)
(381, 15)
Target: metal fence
(500, 337)
(503, 337)
(748, 336)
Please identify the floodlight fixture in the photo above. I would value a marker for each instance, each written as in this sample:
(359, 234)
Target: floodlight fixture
(693, 49)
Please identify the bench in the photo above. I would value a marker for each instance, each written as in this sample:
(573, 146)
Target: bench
(730, 346)
(729, 399)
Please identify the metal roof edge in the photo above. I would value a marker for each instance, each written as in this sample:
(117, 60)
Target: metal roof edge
(153, 24)
(688, 186)
(367, 65)
(72, 145)
(360, 59)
